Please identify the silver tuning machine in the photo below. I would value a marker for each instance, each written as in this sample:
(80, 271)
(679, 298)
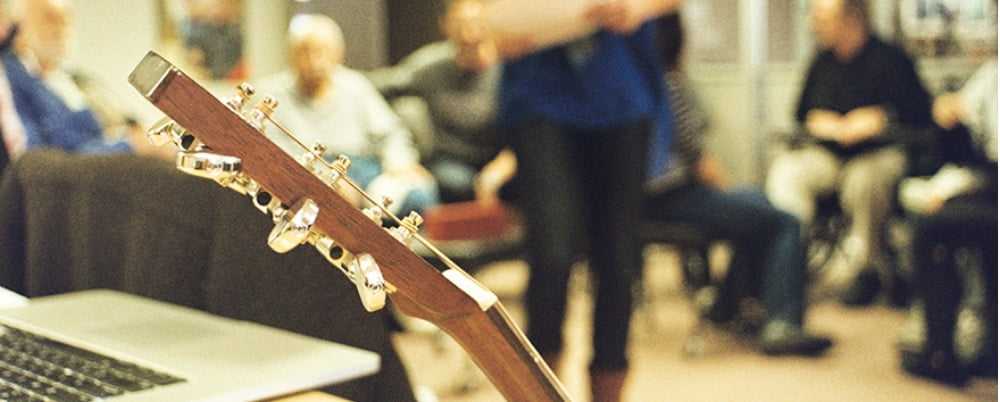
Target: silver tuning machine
(221, 168)
(292, 226)
(166, 131)
(367, 277)
(244, 92)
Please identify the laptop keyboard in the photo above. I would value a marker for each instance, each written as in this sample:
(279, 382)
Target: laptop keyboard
(35, 368)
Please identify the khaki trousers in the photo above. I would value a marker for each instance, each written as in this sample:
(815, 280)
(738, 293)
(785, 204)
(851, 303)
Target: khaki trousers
(866, 184)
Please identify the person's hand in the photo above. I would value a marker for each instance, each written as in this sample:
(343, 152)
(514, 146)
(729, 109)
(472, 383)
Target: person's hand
(824, 124)
(863, 123)
(494, 176)
(614, 15)
(710, 171)
(948, 110)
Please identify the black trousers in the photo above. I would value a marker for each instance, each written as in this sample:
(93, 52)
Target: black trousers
(582, 187)
(964, 222)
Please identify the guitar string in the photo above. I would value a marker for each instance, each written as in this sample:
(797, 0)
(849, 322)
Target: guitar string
(416, 236)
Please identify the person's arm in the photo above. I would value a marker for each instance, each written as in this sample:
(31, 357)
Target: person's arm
(468, 28)
(494, 175)
(405, 77)
(815, 120)
(624, 16)
(862, 124)
(388, 133)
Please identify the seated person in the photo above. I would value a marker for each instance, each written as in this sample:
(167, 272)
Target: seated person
(322, 101)
(459, 87)
(765, 241)
(954, 209)
(50, 110)
(860, 96)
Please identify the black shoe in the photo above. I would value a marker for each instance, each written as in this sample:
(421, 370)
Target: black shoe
(779, 338)
(863, 290)
(940, 367)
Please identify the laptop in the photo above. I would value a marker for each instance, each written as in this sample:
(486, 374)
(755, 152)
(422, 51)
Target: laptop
(111, 346)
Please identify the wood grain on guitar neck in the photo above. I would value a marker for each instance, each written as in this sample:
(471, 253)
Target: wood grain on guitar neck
(451, 300)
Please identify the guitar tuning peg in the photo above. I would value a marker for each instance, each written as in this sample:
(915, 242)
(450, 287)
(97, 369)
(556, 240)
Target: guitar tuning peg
(367, 277)
(263, 111)
(342, 164)
(373, 213)
(221, 168)
(244, 92)
(292, 226)
(413, 221)
(409, 226)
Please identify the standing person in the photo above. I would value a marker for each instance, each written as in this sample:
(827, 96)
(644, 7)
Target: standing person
(579, 118)
(861, 95)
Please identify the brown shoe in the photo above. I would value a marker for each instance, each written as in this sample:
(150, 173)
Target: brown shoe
(607, 385)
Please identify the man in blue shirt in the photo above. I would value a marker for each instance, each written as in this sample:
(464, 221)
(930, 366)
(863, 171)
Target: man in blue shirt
(32, 69)
(579, 115)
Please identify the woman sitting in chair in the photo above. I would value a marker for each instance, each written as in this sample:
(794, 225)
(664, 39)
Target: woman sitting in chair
(687, 188)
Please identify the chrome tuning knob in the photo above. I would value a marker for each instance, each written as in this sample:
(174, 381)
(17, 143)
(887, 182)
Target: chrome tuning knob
(367, 277)
(244, 92)
(162, 132)
(292, 226)
(221, 168)
(167, 130)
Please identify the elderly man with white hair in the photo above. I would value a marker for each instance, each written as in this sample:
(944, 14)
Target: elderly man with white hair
(322, 101)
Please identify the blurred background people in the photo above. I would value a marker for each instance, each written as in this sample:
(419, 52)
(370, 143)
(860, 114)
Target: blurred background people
(860, 97)
(458, 86)
(324, 102)
(955, 212)
(51, 109)
(579, 117)
(767, 250)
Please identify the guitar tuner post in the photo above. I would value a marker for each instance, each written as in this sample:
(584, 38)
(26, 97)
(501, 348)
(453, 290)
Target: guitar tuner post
(373, 213)
(244, 92)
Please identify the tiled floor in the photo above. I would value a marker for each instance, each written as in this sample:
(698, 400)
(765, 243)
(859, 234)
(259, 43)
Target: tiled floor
(862, 366)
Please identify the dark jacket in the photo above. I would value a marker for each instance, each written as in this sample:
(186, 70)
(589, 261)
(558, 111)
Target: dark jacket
(132, 224)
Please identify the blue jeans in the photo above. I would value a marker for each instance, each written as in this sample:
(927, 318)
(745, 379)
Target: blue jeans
(768, 254)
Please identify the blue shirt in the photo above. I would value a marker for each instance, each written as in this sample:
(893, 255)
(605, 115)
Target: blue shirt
(48, 121)
(596, 82)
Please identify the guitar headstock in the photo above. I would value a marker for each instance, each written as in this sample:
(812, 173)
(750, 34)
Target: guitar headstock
(225, 141)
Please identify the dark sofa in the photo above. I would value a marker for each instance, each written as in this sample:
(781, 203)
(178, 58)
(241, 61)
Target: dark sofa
(137, 225)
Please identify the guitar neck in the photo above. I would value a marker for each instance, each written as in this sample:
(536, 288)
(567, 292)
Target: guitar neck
(452, 300)
(504, 354)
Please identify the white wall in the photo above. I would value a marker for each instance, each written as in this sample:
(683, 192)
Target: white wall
(111, 36)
